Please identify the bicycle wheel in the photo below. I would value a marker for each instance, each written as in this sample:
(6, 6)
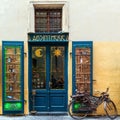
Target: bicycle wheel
(73, 109)
(110, 109)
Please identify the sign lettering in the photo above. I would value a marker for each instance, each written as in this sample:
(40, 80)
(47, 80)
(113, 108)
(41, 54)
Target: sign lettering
(47, 37)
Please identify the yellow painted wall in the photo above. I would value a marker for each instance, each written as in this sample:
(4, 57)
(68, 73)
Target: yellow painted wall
(106, 69)
(26, 90)
(69, 70)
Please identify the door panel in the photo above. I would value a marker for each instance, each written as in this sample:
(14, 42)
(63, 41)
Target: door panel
(57, 102)
(49, 78)
(41, 102)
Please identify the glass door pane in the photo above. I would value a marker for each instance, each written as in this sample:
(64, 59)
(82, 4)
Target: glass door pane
(83, 72)
(12, 73)
(57, 55)
(13, 77)
(38, 67)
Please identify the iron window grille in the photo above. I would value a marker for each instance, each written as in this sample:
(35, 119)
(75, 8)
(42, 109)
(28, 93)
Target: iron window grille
(48, 20)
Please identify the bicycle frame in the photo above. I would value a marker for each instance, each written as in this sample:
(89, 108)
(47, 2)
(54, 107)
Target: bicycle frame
(85, 103)
(89, 100)
(98, 100)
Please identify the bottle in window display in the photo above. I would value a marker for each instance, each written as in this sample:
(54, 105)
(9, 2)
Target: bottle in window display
(10, 68)
(38, 80)
(81, 60)
(10, 87)
(9, 59)
(42, 85)
(13, 70)
(38, 86)
(38, 83)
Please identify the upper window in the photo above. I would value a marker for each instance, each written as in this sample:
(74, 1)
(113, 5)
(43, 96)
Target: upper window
(48, 20)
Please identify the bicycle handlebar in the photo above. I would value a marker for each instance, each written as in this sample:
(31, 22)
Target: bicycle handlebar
(103, 93)
(107, 90)
(78, 92)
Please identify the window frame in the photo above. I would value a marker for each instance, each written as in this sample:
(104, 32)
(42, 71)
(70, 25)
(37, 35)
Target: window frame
(48, 18)
(82, 44)
(49, 4)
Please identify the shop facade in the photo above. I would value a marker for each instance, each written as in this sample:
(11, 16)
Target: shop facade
(48, 71)
(41, 71)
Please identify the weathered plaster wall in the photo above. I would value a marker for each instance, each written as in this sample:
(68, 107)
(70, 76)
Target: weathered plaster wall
(13, 20)
(94, 20)
(106, 69)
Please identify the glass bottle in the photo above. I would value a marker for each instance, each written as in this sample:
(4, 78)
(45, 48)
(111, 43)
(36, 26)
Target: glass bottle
(81, 59)
(10, 68)
(42, 84)
(9, 59)
(10, 88)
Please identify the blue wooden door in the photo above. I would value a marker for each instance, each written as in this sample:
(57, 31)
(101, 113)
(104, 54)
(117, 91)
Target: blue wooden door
(49, 78)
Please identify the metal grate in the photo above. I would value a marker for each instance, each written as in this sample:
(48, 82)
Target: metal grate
(48, 20)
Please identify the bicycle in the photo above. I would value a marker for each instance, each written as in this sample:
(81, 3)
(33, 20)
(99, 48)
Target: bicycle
(84, 103)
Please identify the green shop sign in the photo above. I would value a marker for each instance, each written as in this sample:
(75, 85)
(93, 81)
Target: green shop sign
(47, 37)
(13, 106)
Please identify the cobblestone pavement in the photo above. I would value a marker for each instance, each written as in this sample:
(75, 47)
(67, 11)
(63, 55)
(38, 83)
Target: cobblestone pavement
(47, 117)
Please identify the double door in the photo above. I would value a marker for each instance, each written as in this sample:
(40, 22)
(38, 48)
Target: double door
(48, 78)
